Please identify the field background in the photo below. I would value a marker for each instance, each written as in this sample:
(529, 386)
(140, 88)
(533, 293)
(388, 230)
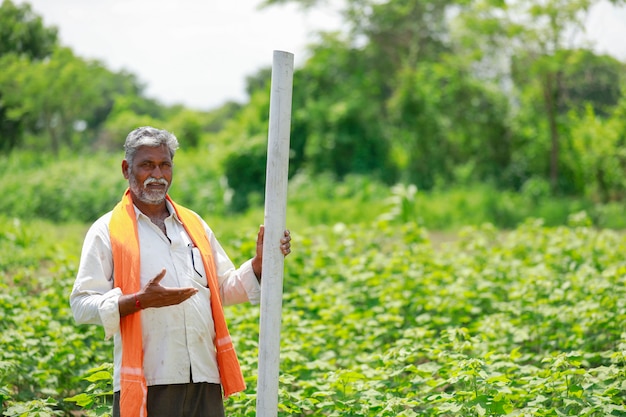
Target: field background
(457, 193)
(392, 307)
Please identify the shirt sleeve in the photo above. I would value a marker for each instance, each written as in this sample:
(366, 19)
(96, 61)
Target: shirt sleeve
(237, 285)
(94, 300)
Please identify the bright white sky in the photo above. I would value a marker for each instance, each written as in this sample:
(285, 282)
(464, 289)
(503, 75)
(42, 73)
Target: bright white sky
(199, 52)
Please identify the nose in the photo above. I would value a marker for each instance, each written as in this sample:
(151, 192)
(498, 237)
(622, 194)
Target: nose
(157, 173)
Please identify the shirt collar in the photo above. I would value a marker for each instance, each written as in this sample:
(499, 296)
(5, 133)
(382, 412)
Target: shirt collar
(169, 206)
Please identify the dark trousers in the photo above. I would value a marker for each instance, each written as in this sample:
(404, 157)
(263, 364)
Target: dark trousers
(181, 400)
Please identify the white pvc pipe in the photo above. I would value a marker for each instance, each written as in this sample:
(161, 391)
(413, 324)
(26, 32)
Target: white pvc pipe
(275, 223)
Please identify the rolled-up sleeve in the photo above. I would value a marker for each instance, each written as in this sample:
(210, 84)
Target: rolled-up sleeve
(94, 300)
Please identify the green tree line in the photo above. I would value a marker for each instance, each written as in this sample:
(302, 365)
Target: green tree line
(428, 92)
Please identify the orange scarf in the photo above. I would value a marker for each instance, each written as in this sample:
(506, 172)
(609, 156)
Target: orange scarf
(125, 247)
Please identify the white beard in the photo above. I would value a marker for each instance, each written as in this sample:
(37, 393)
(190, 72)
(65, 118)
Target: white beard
(144, 194)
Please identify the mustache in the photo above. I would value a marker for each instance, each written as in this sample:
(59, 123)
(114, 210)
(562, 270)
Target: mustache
(153, 180)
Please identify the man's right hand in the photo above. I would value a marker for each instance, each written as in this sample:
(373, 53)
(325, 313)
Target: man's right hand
(154, 295)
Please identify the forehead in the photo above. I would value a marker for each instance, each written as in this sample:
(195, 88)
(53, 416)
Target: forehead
(152, 153)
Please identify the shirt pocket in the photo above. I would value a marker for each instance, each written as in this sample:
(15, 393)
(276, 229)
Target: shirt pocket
(196, 267)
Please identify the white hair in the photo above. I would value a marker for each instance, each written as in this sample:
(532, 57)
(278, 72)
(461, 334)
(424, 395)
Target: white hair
(148, 136)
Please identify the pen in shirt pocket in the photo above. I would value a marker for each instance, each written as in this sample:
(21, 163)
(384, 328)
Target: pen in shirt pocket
(191, 247)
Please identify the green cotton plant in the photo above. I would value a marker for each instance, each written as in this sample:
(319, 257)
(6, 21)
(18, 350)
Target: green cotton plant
(33, 408)
(377, 321)
(17, 238)
(97, 400)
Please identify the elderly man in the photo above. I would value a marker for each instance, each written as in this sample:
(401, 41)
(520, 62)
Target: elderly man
(155, 277)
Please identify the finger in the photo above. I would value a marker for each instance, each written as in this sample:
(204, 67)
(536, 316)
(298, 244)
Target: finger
(179, 294)
(187, 292)
(159, 277)
(259, 238)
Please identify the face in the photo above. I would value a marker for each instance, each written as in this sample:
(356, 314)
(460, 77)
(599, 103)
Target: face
(150, 175)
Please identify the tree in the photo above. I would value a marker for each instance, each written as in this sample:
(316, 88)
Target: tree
(338, 116)
(22, 32)
(120, 91)
(535, 42)
(244, 155)
(66, 98)
(392, 97)
(449, 89)
(52, 95)
(187, 126)
(46, 90)
(22, 36)
(590, 79)
(596, 153)
(11, 114)
(446, 122)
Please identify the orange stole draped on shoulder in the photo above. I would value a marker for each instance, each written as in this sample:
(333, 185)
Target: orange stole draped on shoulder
(127, 263)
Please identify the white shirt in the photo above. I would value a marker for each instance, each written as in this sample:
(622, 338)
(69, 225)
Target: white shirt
(177, 340)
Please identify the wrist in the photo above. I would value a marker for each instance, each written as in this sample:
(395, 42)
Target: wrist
(137, 302)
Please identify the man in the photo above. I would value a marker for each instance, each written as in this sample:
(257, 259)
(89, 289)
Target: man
(155, 277)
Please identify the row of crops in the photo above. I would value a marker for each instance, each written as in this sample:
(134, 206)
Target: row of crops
(378, 320)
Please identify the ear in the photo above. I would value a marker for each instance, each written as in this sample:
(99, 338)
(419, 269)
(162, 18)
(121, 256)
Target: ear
(125, 168)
